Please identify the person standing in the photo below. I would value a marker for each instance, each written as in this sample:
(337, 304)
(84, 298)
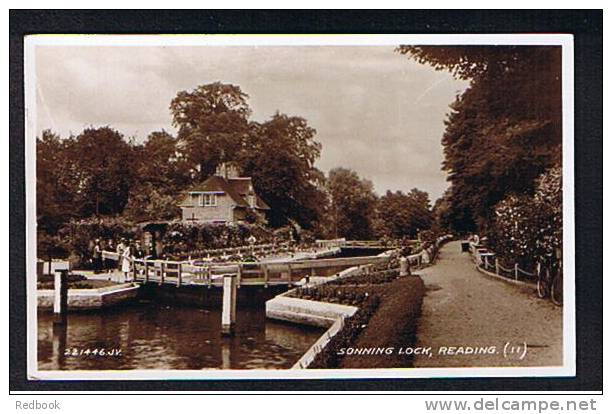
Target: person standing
(97, 257)
(120, 249)
(126, 261)
(108, 263)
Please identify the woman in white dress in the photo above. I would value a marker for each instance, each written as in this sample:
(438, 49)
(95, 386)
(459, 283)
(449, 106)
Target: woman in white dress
(126, 261)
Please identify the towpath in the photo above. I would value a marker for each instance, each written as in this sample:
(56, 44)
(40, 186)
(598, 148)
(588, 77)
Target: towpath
(464, 308)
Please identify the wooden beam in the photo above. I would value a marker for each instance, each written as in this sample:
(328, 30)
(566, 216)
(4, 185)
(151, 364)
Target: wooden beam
(266, 275)
(179, 276)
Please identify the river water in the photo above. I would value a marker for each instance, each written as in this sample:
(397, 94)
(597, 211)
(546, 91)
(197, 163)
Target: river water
(158, 336)
(151, 336)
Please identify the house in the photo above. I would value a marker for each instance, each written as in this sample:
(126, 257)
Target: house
(222, 198)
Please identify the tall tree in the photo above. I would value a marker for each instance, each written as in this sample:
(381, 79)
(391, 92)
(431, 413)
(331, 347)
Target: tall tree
(353, 204)
(55, 183)
(503, 131)
(280, 155)
(212, 122)
(103, 167)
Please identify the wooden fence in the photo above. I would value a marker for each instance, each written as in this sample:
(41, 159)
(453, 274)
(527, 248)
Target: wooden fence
(247, 273)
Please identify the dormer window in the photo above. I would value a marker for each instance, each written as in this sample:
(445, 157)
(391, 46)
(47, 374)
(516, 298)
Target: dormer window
(207, 200)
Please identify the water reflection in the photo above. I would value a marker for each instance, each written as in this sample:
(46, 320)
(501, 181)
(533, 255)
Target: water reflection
(169, 337)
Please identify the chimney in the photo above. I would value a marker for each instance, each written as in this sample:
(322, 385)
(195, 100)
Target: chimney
(227, 170)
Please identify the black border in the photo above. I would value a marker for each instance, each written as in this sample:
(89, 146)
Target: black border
(585, 25)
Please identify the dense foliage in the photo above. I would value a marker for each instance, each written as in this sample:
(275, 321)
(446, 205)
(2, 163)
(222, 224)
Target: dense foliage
(403, 215)
(353, 203)
(528, 229)
(185, 238)
(502, 132)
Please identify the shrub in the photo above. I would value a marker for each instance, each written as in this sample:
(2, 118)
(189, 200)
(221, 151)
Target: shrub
(77, 237)
(527, 229)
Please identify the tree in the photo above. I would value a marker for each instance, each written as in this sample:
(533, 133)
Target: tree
(404, 215)
(161, 175)
(55, 183)
(103, 171)
(353, 204)
(503, 131)
(279, 156)
(212, 122)
(148, 203)
(160, 163)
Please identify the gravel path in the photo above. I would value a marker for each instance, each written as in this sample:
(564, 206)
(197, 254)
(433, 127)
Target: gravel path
(464, 308)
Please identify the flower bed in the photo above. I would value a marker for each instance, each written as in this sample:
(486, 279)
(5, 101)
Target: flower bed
(387, 318)
(388, 310)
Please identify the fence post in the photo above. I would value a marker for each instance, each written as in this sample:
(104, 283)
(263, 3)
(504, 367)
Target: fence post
(146, 271)
(516, 271)
(179, 278)
(264, 268)
(162, 272)
(496, 266)
(404, 267)
(239, 275)
(486, 263)
(208, 274)
(134, 271)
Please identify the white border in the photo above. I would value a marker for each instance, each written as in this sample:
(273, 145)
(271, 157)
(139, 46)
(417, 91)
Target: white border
(569, 343)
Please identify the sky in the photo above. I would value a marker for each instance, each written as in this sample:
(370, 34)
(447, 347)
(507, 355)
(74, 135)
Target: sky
(375, 111)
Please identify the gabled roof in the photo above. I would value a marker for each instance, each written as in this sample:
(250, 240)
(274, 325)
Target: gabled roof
(236, 188)
(219, 184)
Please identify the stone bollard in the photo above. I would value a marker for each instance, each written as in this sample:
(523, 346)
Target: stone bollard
(404, 267)
(228, 315)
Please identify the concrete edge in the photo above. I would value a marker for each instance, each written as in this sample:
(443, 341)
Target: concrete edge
(320, 344)
(88, 299)
(93, 292)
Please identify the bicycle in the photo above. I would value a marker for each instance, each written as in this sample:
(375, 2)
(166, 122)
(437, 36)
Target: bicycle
(550, 282)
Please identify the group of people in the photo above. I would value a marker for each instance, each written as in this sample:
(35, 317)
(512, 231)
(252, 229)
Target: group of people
(127, 251)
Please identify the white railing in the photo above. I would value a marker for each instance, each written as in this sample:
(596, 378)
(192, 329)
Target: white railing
(488, 261)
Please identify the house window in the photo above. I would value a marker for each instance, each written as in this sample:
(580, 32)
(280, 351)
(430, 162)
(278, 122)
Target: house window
(208, 200)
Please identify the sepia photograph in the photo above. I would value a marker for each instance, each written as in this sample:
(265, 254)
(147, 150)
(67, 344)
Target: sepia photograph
(299, 206)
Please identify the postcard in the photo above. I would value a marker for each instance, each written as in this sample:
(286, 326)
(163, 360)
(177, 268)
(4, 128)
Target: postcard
(299, 206)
